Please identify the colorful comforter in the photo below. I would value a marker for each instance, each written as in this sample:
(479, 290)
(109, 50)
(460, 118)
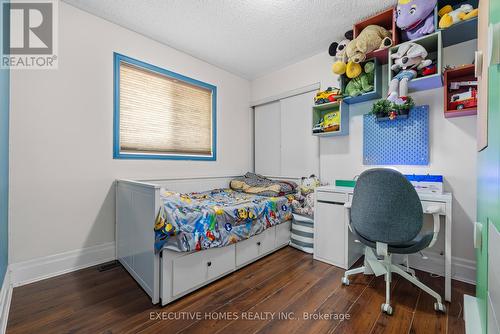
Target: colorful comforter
(217, 218)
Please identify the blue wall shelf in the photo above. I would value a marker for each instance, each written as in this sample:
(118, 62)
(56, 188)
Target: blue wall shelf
(376, 93)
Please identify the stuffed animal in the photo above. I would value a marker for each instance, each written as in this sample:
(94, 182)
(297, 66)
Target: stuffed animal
(449, 16)
(371, 38)
(337, 50)
(303, 202)
(415, 18)
(363, 83)
(409, 58)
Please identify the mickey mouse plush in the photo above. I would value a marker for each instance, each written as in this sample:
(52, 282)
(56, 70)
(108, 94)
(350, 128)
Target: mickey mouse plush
(337, 50)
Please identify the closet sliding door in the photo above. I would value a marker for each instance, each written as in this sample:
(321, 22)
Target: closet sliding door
(284, 144)
(268, 139)
(299, 148)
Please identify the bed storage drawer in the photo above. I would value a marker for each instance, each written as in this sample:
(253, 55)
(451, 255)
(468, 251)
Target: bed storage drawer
(256, 246)
(283, 233)
(195, 269)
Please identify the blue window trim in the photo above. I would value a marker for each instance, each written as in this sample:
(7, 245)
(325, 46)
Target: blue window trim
(119, 58)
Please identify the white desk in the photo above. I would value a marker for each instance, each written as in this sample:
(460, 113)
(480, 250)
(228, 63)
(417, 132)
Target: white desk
(340, 195)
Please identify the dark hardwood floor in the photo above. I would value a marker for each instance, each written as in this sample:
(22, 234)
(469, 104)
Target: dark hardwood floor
(255, 299)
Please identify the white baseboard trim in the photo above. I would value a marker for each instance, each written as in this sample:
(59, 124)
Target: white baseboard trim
(5, 298)
(463, 270)
(41, 268)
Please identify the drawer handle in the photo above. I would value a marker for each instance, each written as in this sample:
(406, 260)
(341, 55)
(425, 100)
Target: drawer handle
(258, 243)
(209, 263)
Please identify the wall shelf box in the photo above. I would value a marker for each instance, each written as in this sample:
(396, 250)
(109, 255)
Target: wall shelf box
(384, 19)
(433, 44)
(459, 74)
(376, 93)
(318, 111)
(461, 31)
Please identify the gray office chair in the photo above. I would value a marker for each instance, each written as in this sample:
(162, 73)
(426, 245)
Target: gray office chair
(386, 215)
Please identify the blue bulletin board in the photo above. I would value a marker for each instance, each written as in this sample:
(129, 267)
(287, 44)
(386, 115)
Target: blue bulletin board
(397, 142)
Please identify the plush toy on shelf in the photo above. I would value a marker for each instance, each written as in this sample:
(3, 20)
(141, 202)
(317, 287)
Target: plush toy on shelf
(337, 51)
(409, 58)
(363, 83)
(371, 38)
(415, 18)
(449, 17)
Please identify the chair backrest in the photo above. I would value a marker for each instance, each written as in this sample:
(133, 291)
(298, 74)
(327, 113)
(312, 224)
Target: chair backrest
(385, 207)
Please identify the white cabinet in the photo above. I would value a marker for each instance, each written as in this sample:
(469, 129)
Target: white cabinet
(333, 241)
(329, 233)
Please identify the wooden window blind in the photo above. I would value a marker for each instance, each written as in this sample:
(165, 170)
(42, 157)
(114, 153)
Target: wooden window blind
(161, 115)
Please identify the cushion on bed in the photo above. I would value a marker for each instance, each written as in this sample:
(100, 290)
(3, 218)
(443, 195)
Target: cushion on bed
(252, 183)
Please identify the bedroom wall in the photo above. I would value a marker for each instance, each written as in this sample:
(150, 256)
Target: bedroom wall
(453, 141)
(62, 170)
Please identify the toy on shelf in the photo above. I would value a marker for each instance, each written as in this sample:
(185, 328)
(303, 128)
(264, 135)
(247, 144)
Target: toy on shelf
(415, 18)
(463, 99)
(363, 83)
(328, 95)
(428, 70)
(449, 16)
(331, 121)
(409, 58)
(460, 93)
(337, 51)
(371, 38)
(383, 19)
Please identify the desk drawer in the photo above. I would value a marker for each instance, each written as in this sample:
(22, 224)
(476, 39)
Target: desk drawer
(331, 197)
(427, 204)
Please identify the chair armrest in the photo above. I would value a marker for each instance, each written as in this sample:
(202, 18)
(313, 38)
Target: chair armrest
(435, 211)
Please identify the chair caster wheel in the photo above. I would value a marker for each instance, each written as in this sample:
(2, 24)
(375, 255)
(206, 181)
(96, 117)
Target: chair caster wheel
(386, 308)
(440, 307)
(345, 281)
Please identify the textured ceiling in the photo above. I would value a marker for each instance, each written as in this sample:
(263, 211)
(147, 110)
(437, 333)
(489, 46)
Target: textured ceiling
(246, 37)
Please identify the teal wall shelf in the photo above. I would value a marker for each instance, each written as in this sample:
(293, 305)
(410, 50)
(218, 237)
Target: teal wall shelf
(318, 111)
(377, 83)
(434, 46)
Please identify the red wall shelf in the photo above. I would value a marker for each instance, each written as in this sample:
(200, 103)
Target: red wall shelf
(459, 74)
(384, 19)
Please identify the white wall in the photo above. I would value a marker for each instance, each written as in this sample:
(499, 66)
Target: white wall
(453, 141)
(62, 171)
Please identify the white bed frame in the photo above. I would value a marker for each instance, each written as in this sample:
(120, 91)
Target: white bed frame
(170, 275)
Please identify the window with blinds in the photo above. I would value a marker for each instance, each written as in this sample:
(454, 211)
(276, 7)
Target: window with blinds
(162, 114)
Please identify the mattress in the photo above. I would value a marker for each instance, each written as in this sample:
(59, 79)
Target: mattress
(216, 218)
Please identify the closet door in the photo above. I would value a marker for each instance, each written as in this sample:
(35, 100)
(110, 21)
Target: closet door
(268, 139)
(299, 148)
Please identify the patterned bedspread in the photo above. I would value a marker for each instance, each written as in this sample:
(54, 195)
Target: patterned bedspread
(216, 218)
